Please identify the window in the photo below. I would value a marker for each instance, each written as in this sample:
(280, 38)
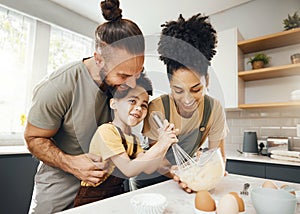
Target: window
(18, 38)
(14, 48)
(66, 46)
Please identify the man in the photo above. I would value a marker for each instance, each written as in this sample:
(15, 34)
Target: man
(70, 104)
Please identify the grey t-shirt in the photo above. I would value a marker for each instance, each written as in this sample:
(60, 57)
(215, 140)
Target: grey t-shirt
(70, 101)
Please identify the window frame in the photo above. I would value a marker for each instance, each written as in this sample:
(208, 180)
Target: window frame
(37, 64)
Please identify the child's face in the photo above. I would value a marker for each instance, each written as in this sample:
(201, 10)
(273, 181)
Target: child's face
(132, 109)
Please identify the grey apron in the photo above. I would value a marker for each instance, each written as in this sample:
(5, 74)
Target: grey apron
(190, 142)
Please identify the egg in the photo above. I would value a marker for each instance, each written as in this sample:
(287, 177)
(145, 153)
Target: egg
(288, 188)
(204, 201)
(239, 200)
(269, 184)
(228, 205)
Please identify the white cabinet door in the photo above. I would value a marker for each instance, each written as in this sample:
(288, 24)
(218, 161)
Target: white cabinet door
(225, 69)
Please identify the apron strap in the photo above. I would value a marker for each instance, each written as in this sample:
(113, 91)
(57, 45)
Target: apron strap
(208, 105)
(132, 156)
(166, 103)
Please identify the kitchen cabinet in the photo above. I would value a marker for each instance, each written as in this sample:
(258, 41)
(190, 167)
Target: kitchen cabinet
(283, 172)
(225, 66)
(271, 43)
(264, 170)
(260, 88)
(246, 168)
(16, 182)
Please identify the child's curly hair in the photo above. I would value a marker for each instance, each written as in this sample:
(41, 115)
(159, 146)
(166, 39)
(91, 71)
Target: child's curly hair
(187, 44)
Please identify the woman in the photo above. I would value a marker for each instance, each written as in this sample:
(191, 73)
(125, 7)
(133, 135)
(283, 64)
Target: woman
(186, 48)
(70, 104)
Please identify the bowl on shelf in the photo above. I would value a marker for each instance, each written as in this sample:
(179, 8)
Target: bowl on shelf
(295, 58)
(295, 95)
(273, 201)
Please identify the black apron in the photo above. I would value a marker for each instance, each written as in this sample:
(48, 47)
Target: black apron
(115, 184)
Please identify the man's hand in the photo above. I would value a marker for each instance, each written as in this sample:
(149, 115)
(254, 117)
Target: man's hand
(88, 167)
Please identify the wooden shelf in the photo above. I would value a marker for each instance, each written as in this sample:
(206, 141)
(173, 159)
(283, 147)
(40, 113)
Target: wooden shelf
(276, 40)
(271, 72)
(270, 105)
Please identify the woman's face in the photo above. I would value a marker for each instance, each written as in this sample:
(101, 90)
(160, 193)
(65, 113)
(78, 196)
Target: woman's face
(132, 109)
(122, 69)
(187, 89)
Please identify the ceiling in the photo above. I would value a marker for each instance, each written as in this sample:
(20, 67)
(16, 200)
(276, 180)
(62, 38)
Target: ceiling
(91, 10)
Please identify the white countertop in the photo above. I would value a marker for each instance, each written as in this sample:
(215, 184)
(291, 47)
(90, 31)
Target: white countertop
(12, 150)
(179, 202)
(234, 155)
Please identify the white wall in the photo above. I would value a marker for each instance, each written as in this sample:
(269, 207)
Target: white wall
(256, 18)
(149, 15)
(252, 17)
(50, 12)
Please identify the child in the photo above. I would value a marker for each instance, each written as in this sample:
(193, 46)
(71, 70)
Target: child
(116, 144)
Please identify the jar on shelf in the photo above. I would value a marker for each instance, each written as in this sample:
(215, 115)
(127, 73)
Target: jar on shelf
(295, 58)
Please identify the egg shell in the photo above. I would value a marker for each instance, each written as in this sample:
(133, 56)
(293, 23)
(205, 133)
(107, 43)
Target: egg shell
(269, 184)
(239, 200)
(228, 205)
(288, 188)
(204, 201)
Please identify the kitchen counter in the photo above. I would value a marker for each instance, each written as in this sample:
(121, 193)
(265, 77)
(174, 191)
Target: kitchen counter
(12, 150)
(179, 202)
(234, 155)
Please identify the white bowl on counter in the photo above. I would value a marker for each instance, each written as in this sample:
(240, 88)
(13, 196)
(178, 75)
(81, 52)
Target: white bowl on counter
(297, 193)
(273, 201)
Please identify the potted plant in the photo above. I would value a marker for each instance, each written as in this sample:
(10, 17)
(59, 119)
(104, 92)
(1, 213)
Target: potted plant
(292, 21)
(259, 60)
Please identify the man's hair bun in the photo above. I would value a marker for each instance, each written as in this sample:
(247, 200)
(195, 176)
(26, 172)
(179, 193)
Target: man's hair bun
(110, 10)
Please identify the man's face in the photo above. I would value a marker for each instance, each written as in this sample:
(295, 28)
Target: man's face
(122, 69)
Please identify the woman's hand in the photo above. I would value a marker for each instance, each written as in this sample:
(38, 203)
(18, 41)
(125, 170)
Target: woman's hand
(176, 178)
(182, 184)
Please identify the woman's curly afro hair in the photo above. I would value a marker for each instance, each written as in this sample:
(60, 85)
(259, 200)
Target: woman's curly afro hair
(187, 44)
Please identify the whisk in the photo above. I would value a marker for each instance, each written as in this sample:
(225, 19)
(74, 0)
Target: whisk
(182, 159)
(202, 173)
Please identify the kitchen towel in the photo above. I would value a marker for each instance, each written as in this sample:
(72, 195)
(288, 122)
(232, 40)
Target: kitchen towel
(286, 158)
(293, 154)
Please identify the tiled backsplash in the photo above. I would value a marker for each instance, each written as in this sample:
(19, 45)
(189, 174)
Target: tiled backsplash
(266, 122)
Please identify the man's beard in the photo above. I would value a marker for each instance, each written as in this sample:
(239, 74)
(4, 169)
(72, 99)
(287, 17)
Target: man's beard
(110, 90)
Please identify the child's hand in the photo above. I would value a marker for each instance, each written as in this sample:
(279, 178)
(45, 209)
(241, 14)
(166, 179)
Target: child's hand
(167, 134)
